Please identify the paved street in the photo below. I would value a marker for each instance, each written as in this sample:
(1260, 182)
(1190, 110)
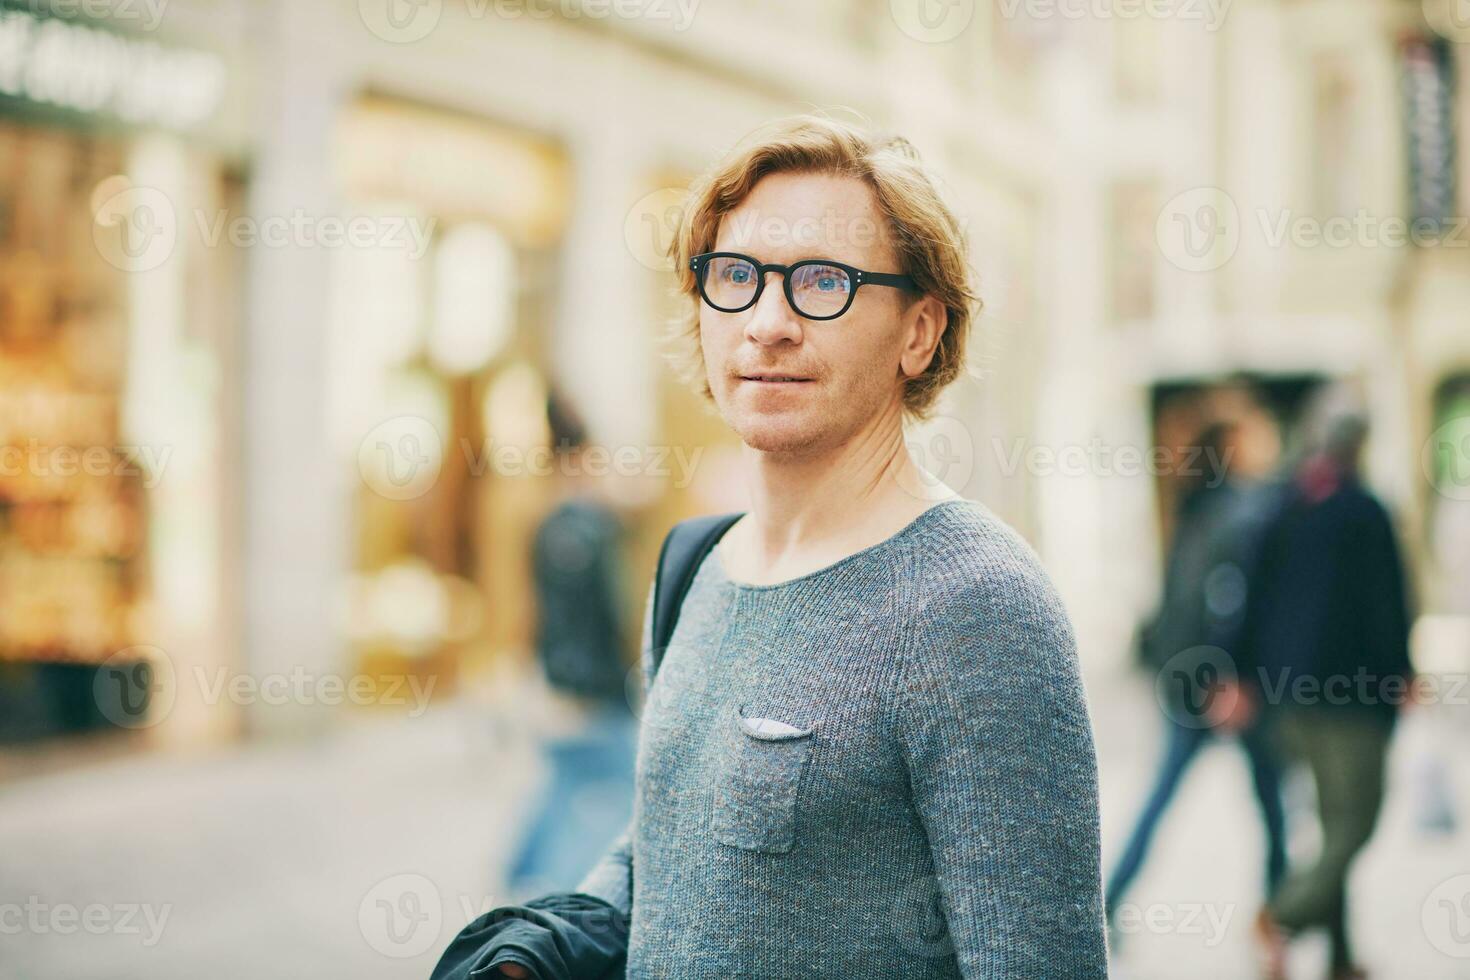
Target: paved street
(360, 855)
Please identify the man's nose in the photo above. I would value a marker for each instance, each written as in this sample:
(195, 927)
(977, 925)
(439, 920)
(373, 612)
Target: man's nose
(772, 320)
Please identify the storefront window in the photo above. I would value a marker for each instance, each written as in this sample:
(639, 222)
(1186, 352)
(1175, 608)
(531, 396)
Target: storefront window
(438, 366)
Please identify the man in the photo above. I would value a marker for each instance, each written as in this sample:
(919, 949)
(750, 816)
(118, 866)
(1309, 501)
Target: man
(1327, 626)
(867, 751)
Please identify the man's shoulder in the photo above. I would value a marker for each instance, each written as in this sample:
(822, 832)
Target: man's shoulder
(970, 564)
(984, 610)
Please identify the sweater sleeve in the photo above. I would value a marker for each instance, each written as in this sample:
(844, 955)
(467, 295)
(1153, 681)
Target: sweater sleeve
(993, 726)
(611, 879)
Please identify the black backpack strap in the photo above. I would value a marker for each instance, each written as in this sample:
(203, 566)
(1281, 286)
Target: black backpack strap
(685, 549)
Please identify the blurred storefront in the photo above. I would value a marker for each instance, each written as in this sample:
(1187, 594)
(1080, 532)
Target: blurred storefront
(440, 357)
(115, 334)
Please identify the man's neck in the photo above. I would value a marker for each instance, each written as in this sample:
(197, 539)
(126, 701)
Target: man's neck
(810, 511)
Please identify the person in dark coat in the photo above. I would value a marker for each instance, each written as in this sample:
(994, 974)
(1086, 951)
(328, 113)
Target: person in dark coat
(577, 567)
(1327, 626)
(1198, 685)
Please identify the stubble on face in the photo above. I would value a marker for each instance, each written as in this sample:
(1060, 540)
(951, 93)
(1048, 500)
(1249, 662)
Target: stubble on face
(852, 360)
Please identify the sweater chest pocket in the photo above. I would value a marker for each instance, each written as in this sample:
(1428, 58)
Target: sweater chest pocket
(759, 780)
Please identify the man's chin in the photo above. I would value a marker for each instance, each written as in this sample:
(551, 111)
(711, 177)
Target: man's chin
(778, 433)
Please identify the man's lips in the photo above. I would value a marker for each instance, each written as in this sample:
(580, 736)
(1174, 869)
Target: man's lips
(774, 378)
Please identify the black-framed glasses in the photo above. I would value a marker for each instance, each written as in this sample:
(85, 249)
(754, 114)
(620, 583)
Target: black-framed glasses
(818, 289)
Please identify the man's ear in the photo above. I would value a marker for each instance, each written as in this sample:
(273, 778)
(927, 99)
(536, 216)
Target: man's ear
(926, 320)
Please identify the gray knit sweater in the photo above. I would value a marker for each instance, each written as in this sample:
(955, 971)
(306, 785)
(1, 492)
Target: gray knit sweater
(883, 768)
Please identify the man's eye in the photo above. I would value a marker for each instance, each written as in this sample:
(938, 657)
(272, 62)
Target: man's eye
(827, 283)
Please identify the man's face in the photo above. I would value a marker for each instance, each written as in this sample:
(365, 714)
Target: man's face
(849, 366)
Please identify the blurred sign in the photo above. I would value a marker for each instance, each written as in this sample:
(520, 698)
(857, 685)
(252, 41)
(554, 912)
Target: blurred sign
(1428, 92)
(455, 166)
(78, 68)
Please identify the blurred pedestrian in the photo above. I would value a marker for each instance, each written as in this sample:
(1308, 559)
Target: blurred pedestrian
(1327, 623)
(577, 567)
(1204, 590)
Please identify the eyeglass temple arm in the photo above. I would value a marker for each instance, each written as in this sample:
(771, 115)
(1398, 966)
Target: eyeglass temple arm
(887, 279)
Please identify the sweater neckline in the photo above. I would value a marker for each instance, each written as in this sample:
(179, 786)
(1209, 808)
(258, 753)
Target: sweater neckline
(887, 543)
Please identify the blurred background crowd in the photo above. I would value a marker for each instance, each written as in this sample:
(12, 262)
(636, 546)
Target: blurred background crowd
(336, 446)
